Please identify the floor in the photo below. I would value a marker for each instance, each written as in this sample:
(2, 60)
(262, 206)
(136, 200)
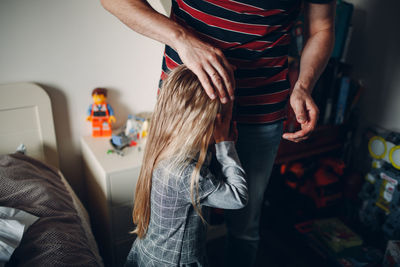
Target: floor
(273, 252)
(283, 246)
(279, 247)
(280, 244)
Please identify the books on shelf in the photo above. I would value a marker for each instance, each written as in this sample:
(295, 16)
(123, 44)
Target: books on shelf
(336, 94)
(344, 12)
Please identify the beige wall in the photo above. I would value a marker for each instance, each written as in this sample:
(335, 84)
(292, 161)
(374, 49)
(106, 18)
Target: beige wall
(375, 55)
(71, 47)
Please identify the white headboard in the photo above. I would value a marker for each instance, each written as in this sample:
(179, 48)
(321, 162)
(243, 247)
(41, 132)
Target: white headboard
(26, 118)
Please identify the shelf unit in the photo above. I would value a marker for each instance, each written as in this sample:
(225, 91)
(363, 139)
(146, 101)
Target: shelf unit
(325, 138)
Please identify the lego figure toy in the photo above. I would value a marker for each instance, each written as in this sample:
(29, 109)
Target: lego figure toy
(100, 114)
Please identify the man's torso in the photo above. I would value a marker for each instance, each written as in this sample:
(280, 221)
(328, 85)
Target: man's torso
(255, 37)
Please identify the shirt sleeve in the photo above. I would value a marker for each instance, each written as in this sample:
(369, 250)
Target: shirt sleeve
(228, 191)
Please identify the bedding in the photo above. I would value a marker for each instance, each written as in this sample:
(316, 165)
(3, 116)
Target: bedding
(61, 236)
(13, 224)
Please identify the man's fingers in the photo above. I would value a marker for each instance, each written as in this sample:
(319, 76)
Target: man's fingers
(229, 79)
(297, 139)
(306, 128)
(300, 111)
(205, 82)
(227, 85)
(225, 70)
(293, 136)
(212, 68)
(217, 82)
(304, 132)
(306, 114)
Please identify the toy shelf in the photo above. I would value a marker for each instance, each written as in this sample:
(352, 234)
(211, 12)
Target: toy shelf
(325, 138)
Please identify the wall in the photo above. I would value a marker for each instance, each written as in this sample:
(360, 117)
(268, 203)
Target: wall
(375, 55)
(71, 47)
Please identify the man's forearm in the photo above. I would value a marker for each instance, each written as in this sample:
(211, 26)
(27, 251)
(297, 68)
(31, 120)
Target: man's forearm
(206, 61)
(142, 18)
(318, 47)
(314, 58)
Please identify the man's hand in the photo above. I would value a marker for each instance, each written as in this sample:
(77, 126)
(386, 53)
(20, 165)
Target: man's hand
(207, 62)
(210, 65)
(306, 113)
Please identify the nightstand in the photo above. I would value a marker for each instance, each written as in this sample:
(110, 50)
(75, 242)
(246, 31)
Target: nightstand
(110, 185)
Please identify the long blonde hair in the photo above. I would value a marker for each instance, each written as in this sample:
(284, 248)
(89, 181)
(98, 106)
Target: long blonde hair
(181, 128)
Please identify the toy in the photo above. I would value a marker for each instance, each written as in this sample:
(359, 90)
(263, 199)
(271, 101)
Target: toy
(294, 175)
(100, 114)
(389, 194)
(385, 148)
(134, 129)
(371, 216)
(335, 234)
(322, 184)
(337, 244)
(380, 211)
(390, 228)
(327, 190)
(370, 189)
(392, 254)
(381, 198)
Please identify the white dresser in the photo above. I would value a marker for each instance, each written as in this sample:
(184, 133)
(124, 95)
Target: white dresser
(110, 185)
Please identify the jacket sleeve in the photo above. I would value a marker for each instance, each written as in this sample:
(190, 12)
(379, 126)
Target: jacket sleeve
(228, 191)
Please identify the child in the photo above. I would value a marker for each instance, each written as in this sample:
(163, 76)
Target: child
(175, 181)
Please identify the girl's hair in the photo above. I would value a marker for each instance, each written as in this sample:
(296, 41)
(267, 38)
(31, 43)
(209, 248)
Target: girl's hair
(181, 128)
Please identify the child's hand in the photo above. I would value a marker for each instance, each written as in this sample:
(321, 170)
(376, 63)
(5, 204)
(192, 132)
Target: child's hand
(224, 130)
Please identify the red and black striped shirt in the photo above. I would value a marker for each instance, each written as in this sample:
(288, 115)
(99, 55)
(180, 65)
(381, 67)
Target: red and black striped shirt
(254, 36)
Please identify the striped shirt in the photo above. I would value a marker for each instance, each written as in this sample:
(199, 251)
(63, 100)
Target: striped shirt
(254, 36)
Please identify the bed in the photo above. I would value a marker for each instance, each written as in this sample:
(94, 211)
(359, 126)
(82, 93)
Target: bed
(30, 181)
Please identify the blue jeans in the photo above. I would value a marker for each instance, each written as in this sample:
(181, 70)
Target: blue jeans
(257, 146)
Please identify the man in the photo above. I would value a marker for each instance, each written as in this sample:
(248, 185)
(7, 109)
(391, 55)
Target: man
(238, 49)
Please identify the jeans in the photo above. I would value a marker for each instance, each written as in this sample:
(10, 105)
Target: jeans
(256, 146)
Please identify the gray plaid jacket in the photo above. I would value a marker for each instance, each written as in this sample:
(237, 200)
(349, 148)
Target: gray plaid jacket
(176, 235)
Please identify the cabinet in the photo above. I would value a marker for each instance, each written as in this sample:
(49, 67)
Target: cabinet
(324, 139)
(110, 185)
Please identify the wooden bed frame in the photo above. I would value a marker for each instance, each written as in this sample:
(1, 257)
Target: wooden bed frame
(26, 118)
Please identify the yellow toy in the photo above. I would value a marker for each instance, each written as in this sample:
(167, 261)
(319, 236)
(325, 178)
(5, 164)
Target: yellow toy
(100, 114)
